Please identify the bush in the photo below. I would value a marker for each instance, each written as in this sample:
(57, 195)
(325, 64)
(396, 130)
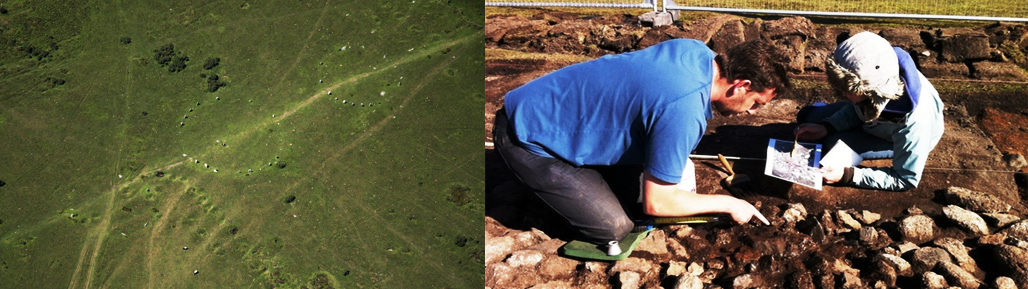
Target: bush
(214, 83)
(126, 40)
(167, 56)
(210, 63)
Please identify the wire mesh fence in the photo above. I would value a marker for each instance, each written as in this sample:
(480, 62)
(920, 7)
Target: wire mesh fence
(647, 4)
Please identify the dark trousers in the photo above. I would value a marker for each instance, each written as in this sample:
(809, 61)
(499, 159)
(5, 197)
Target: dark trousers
(581, 196)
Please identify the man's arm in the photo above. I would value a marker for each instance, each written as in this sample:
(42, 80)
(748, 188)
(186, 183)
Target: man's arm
(662, 199)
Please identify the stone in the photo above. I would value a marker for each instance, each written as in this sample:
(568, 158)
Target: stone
(964, 47)
(914, 210)
(992, 240)
(1018, 230)
(1011, 261)
(689, 282)
(695, 269)
(851, 279)
(557, 268)
(678, 252)
(814, 59)
(1002, 71)
(497, 26)
(924, 259)
(794, 48)
(703, 29)
(955, 275)
(553, 285)
(656, 245)
(658, 35)
(906, 246)
(795, 213)
(847, 220)
(959, 252)
(868, 217)
(917, 228)
(657, 18)
(931, 67)
(901, 265)
(597, 266)
(883, 271)
(800, 280)
(731, 34)
(549, 246)
(868, 235)
(753, 29)
(976, 201)
(906, 38)
(499, 275)
(684, 232)
(631, 264)
(1004, 282)
(677, 268)
(748, 281)
(522, 32)
(932, 280)
(1000, 220)
(1015, 160)
(497, 249)
(630, 279)
(789, 26)
(609, 38)
(933, 38)
(966, 219)
(525, 258)
(525, 239)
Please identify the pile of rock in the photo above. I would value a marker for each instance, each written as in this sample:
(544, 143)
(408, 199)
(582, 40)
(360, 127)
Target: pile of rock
(992, 52)
(977, 241)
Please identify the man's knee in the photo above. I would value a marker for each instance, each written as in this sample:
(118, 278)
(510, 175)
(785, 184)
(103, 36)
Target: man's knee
(615, 229)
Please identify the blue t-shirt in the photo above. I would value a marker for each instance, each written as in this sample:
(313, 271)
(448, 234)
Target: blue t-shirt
(645, 107)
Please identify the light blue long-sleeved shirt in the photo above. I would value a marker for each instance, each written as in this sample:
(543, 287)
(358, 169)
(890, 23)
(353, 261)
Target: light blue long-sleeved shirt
(913, 139)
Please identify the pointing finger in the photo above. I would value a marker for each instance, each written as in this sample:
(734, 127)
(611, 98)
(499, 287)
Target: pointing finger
(761, 217)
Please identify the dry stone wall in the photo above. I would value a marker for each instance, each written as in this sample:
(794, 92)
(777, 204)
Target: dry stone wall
(994, 52)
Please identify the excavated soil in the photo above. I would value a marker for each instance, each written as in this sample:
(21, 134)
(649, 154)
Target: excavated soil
(982, 126)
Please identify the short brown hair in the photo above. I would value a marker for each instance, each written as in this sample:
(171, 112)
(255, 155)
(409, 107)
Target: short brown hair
(759, 62)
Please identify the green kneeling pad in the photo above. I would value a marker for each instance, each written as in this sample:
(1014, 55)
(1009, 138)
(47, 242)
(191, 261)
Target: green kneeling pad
(586, 250)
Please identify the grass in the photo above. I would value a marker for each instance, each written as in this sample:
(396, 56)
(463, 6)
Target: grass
(505, 54)
(83, 208)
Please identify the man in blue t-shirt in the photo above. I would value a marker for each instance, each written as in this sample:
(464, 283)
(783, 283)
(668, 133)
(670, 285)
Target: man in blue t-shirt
(562, 133)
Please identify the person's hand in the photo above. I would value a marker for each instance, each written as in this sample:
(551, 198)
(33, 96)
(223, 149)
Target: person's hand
(810, 131)
(832, 174)
(742, 211)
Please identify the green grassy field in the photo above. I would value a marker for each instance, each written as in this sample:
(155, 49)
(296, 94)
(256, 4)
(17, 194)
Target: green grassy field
(383, 190)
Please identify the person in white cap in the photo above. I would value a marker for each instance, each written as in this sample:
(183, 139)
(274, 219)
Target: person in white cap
(890, 110)
(580, 136)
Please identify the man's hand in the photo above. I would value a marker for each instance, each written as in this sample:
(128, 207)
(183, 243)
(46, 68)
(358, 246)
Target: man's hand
(832, 174)
(810, 131)
(661, 199)
(742, 211)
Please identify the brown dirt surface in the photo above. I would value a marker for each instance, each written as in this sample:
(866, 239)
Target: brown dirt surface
(982, 124)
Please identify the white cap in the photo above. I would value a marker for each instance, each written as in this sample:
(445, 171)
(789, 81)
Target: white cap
(866, 64)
